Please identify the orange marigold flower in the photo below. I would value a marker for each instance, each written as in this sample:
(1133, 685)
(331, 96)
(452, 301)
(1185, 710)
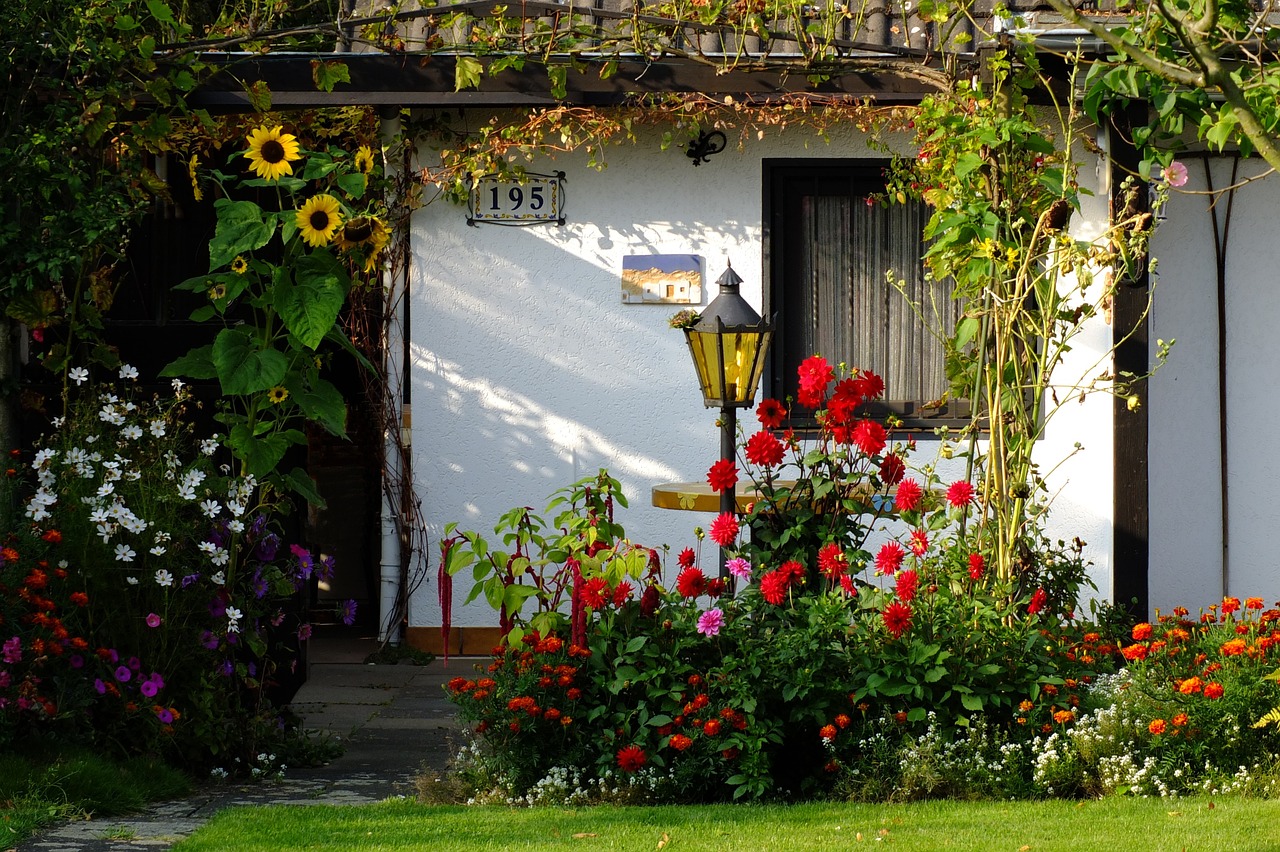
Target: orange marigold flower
(1230, 605)
(828, 732)
(1191, 686)
(1062, 717)
(711, 728)
(1133, 653)
(1091, 637)
(1141, 632)
(1179, 720)
(1025, 706)
(680, 742)
(842, 721)
(1049, 689)
(1157, 726)
(1234, 648)
(1213, 690)
(1253, 603)
(9, 554)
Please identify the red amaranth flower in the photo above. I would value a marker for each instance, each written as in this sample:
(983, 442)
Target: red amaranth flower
(631, 758)
(691, 583)
(960, 493)
(770, 413)
(723, 475)
(650, 600)
(724, 529)
(764, 450)
(897, 618)
(908, 495)
(1038, 600)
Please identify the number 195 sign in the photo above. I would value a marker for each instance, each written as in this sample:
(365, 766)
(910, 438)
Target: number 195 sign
(538, 200)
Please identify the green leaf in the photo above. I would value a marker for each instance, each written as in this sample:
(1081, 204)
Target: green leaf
(636, 644)
(658, 721)
(241, 228)
(304, 487)
(326, 75)
(965, 330)
(916, 714)
(353, 184)
(260, 453)
(309, 304)
(196, 364)
(203, 313)
(242, 366)
(322, 403)
(467, 73)
(966, 163)
(559, 75)
(972, 703)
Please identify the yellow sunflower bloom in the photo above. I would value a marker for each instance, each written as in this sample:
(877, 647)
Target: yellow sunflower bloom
(218, 291)
(319, 219)
(194, 163)
(277, 395)
(271, 151)
(364, 160)
(239, 266)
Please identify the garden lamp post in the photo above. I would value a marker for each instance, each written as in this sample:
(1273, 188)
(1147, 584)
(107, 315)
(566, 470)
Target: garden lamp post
(728, 345)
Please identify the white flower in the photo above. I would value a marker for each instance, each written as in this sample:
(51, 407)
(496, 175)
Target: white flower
(45, 455)
(209, 446)
(186, 492)
(128, 372)
(220, 557)
(57, 422)
(157, 428)
(164, 578)
(207, 547)
(236, 526)
(79, 375)
(99, 516)
(233, 617)
(162, 536)
(106, 488)
(158, 550)
(178, 385)
(106, 531)
(132, 432)
(219, 579)
(210, 508)
(132, 581)
(124, 553)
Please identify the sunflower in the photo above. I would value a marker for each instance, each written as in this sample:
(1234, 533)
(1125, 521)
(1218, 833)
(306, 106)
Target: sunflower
(277, 395)
(364, 232)
(319, 219)
(239, 266)
(364, 160)
(271, 151)
(194, 163)
(217, 291)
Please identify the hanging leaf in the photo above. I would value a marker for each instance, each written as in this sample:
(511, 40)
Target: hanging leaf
(196, 364)
(241, 229)
(243, 367)
(304, 487)
(260, 453)
(321, 403)
(326, 75)
(467, 73)
(309, 304)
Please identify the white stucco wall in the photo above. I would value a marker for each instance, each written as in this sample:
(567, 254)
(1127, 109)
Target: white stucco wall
(529, 372)
(1186, 506)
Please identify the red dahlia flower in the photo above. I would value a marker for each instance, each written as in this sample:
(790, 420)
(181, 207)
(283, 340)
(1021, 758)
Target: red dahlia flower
(960, 493)
(832, 561)
(764, 449)
(691, 583)
(870, 385)
(815, 373)
(892, 469)
(724, 529)
(770, 413)
(897, 618)
(621, 593)
(774, 585)
(631, 758)
(889, 558)
(1038, 600)
(919, 543)
(722, 475)
(594, 592)
(686, 558)
(908, 496)
(906, 584)
(976, 566)
(869, 436)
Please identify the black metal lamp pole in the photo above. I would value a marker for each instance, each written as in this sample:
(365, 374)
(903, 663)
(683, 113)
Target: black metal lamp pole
(728, 345)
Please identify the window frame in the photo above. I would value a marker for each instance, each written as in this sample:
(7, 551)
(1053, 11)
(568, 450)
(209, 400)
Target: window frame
(778, 174)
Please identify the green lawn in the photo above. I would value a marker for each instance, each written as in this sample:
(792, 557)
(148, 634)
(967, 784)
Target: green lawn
(1111, 825)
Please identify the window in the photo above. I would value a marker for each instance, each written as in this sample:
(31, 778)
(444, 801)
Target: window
(827, 255)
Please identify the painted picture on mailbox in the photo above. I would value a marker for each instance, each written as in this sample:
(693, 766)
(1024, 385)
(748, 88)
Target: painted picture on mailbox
(662, 279)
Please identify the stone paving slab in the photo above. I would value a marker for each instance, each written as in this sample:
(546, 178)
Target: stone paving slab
(394, 720)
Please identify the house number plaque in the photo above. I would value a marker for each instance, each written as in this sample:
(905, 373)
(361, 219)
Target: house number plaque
(538, 200)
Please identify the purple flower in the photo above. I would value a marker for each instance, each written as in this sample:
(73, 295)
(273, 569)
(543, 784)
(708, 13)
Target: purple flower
(4, 679)
(148, 689)
(218, 608)
(267, 548)
(226, 668)
(13, 650)
(326, 568)
(153, 620)
(190, 580)
(304, 632)
(220, 534)
(259, 585)
(347, 611)
(710, 622)
(77, 662)
(157, 680)
(123, 674)
(209, 640)
(165, 716)
(135, 663)
(100, 686)
(257, 525)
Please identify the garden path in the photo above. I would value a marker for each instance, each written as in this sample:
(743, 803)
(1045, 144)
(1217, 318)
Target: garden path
(394, 720)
